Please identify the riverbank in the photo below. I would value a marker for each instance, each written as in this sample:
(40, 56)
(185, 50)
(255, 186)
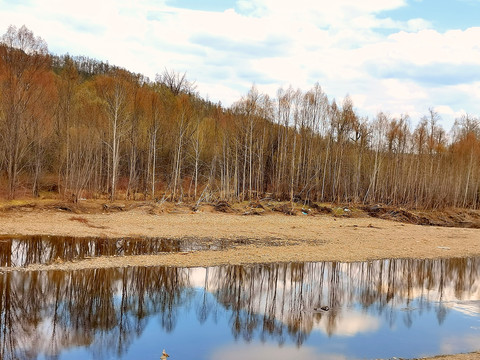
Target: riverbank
(336, 235)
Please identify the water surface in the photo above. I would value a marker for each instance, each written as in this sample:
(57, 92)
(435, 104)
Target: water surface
(380, 309)
(19, 251)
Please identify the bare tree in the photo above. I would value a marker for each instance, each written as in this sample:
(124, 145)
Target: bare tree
(114, 91)
(23, 58)
(176, 82)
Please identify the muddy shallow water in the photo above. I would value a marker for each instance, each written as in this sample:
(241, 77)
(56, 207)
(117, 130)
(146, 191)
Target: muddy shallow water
(378, 309)
(23, 251)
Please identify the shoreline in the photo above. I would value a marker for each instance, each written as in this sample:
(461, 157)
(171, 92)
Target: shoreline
(271, 238)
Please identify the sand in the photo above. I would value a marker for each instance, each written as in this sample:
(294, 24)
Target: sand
(302, 237)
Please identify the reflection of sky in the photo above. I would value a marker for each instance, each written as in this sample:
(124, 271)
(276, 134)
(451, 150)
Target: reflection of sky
(350, 323)
(471, 308)
(416, 326)
(457, 344)
(353, 322)
(377, 338)
(421, 327)
(406, 333)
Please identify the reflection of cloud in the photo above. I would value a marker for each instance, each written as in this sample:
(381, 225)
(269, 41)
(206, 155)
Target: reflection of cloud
(470, 308)
(465, 343)
(49, 340)
(197, 276)
(350, 324)
(347, 322)
(343, 320)
(261, 352)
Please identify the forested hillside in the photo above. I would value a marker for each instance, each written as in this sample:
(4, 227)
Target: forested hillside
(85, 129)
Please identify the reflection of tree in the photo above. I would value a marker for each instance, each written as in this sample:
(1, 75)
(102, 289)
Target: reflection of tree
(28, 250)
(106, 309)
(38, 249)
(6, 252)
(8, 327)
(205, 307)
(45, 312)
(279, 298)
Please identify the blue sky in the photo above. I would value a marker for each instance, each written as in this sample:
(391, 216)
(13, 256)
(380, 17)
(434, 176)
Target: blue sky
(396, 56)
(442, 14)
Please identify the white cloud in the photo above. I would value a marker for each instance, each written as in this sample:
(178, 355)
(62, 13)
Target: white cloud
(444, 109)
(417, 24)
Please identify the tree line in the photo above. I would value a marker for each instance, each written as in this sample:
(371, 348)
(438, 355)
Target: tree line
(87, 129)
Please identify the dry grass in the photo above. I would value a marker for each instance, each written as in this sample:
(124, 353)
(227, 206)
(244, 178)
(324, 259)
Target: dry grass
(79, 219)
(447, 217)
(85, 221)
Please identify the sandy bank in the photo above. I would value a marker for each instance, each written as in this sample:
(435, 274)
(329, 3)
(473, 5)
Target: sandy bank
(301, 238)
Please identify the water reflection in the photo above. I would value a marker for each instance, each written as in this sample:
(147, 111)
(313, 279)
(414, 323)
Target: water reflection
(109, 313)
(27, 250)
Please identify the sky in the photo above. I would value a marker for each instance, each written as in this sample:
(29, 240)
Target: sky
(395, 56)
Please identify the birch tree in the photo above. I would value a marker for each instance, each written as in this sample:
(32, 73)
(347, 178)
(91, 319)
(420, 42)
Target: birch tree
(114, 90)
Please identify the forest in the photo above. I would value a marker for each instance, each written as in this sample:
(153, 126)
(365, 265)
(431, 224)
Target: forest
(82, 129)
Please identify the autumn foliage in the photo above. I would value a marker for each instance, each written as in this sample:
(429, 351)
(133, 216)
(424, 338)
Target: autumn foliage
(83, 128)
